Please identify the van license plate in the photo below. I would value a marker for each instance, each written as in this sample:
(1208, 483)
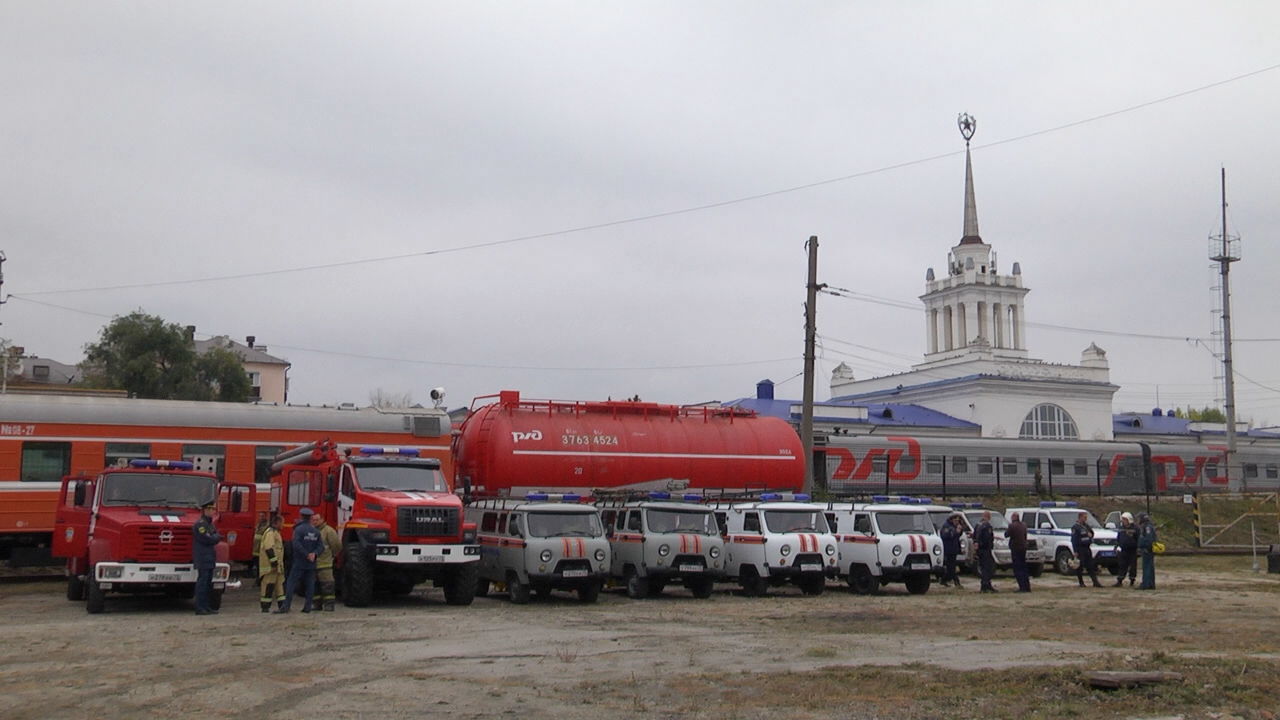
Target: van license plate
(810, 568)
(431, 558)
(690, 568)
(164, 577)
(576, 573)
(920, 566)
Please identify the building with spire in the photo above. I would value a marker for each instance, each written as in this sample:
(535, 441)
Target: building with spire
(976, 364)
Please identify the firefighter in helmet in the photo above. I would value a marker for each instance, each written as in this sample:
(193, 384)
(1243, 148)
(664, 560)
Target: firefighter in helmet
(324, 561)
(271, 564)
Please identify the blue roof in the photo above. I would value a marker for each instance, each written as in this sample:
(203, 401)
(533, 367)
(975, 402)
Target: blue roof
(1132, 423)
(896, 414)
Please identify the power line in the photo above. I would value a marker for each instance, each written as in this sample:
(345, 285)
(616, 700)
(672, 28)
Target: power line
(658, 215)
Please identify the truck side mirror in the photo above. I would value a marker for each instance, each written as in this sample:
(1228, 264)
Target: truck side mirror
(80, 494)
(1046, 526)
(330, 496)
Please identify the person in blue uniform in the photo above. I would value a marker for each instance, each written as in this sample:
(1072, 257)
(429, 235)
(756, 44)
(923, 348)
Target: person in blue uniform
(984, 541)
(1127, 541)
(204, 557)
(1146, 543)
(1082, 543)
(307, 546)
(950, 532)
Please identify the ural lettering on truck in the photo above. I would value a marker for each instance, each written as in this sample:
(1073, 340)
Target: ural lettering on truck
(399, 522)
(128, 530)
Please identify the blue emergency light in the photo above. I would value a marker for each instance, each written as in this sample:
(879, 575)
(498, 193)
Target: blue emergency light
(171, 464)
(768, 497)
(800, 497)
(536, 497)
(962, 506)
(690, 497)
(879, 498)
(657, 495)
(1058, 503)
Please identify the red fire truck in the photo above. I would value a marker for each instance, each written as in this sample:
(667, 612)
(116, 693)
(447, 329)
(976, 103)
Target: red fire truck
(128, 530)
(399, 522)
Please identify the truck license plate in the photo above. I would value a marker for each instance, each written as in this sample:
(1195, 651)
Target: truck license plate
(576, 573)
(690, 568)
(431, 558)
(810, 568)
(164, 577)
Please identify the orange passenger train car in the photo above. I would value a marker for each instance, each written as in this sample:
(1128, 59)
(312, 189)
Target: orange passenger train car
(44, 438)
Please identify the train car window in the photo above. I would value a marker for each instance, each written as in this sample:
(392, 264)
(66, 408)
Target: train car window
(933, 465)
(207, 458)
(1009, 466)
(119, 454)
(986, 466)
(959, 465)
(263, 456)
(1080, 467)
(1273, 471)
(1211, 470)
(906, 464)
(45, 461)
(879, 465)
(751, 522)
(862, 523)
(489, 522)
(1033, 466)
(1251, 470)
(1057, 467)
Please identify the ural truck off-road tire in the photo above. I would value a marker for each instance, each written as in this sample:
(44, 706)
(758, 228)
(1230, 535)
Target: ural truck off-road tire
(460, 583)
(862, 581)
(482, 587)
(637, 587)
(357, 577)
(752, 584)
(516, 590)
(1064, 562)
(75, 588)
(95, 597)
(917, 584)
(812, 585)
(589, 593)
(702, 587)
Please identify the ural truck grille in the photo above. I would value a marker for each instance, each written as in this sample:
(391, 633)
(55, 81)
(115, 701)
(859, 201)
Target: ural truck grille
(163, 544)
(427, 522)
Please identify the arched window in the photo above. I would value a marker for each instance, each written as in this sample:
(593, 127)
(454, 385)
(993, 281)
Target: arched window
(1049, 422)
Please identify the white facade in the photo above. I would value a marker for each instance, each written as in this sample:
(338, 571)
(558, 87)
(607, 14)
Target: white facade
(976, 366)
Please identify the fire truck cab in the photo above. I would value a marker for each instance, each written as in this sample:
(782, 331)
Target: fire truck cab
(399, 522)
(661, 540)
(128, 530)
(776, 538)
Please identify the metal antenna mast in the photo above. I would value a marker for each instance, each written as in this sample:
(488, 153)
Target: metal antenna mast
(1224, 250)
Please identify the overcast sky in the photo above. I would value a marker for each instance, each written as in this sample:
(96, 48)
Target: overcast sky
(146, 143)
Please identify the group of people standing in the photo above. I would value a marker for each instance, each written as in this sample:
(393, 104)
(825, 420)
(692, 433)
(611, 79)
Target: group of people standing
(314, 547)
(1132, 539)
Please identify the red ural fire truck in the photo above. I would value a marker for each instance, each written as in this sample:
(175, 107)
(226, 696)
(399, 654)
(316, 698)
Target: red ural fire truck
(128, 530)
(399, 522)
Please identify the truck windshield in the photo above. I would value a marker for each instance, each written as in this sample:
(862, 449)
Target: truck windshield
(413, 478)
(682, 521)
(157, 489)
(795, 521)
(997, 520)
(552, 524)
(892, 523)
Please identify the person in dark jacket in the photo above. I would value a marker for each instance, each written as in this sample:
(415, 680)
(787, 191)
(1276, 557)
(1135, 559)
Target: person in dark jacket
(1127, 541)
(307, 546)
(1082, 543)
(984, 541)
(1017, 534)
(204, 556)
(1146, 543)
(950, 533)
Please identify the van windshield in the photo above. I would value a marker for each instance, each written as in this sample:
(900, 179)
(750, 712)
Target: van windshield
(682, 521)
(156, 489)
(553, 524)
(412, 478)
(892, 523)
(795, 521)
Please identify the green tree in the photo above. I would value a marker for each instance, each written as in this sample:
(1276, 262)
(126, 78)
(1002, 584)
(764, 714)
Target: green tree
(1206, 414)
(150, 358)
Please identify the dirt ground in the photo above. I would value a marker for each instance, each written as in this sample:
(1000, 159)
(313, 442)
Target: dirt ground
(838, 655)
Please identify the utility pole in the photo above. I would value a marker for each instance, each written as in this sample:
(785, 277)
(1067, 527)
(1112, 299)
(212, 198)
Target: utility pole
(1225, 250)
(810, 340)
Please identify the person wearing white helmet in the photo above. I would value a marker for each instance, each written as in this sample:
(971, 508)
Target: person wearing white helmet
(1127, 542)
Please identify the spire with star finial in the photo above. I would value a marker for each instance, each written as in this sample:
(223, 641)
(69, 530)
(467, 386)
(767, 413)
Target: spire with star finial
(968, 124)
